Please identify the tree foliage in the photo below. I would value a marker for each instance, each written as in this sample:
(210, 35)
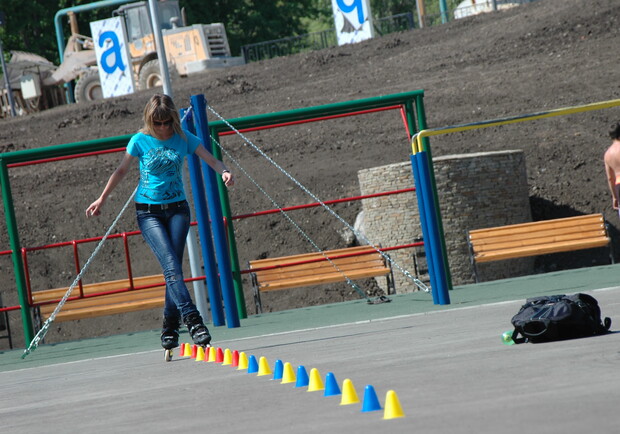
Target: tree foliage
(30, 25)
(249, 21)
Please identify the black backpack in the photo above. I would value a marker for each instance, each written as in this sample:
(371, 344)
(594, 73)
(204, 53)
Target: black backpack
(558, 317)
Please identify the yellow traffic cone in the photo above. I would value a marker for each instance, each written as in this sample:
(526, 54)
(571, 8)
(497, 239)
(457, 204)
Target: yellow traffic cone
(200, 354)
(316, 383)
(289, 374)
(349, 395)
(263, 367)
(227, 357)
(243, 362)
(392, 406)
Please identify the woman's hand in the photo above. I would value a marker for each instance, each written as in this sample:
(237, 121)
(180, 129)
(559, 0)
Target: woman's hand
(228, 178)
(95, 208)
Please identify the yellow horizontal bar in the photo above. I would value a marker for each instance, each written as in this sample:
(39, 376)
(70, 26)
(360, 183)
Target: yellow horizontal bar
(416, 144)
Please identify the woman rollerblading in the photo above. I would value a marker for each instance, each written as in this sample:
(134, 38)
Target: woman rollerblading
(162, 210)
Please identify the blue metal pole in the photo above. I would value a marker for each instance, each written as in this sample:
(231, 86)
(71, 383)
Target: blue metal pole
(441, 281)
(428, 247)
(217, 222)
(204, 230)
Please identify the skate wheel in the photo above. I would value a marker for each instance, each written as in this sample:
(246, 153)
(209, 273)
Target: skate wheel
(168, 355)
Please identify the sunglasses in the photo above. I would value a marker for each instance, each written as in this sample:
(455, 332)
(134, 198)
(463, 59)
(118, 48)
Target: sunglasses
(164, 123)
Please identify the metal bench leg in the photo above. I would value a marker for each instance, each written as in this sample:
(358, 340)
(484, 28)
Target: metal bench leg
(7, 327)
(391, 284)
(611, 245)
(257, 301)
(472, 258)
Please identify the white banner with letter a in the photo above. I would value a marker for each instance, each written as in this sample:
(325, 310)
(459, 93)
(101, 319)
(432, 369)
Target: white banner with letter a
(113, 58)
(353, 20)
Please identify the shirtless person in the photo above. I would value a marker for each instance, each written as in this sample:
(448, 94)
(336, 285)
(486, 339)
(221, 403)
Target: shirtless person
(612, 165)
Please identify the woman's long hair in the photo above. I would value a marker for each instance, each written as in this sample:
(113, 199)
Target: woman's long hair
(161, 108)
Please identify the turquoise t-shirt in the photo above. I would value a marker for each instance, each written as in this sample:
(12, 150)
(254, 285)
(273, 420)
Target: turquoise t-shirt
(161, 166)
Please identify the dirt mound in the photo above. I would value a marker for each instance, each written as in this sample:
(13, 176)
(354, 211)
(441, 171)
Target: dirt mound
(543, 55)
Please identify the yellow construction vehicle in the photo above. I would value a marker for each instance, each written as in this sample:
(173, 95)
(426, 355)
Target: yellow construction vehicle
(189, 49)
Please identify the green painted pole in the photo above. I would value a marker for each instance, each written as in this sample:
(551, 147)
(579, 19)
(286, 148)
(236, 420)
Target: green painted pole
(18, 266)
(410, 116)
(316, 111)
(427, 147)
(443, 8)
(28, 155)
(232, 243)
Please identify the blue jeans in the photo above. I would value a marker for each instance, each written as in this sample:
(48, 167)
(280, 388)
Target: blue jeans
(165, 232)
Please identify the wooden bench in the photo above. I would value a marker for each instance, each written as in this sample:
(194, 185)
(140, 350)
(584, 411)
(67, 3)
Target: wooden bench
(90, 307)
(308, 269)
(538, 238)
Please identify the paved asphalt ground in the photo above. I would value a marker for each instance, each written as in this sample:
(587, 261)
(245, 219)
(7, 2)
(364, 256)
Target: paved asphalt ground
(446, 364)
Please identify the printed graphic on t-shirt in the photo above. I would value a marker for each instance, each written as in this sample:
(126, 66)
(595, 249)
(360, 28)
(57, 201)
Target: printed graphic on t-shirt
(161, 167)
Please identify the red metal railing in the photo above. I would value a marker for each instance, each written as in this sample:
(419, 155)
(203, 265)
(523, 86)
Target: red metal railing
(324, 118)
(125, 235)
(75, 243)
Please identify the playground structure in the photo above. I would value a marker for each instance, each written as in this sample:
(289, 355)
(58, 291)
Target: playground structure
(421, 152)
(404, 102)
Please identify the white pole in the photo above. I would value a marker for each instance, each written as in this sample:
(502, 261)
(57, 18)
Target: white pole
(161, 50)
(7, 82)
(200, 292)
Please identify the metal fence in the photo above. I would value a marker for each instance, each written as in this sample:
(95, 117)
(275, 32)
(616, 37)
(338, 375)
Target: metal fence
(319, 40)
(383, 26)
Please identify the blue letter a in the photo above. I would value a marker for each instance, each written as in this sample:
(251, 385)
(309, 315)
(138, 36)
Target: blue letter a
(357, 4)
(115, 50)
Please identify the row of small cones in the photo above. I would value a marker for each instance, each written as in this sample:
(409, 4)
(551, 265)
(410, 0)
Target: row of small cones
(286, 374)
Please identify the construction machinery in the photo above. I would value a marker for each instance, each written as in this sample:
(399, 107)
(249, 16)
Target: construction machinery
(189, 49)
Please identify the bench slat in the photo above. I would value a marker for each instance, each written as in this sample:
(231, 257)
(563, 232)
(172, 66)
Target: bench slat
(102, 310)
(309, 256)
(524, 242)
(544, 225)
(521, 252)
(121, 302)
(284, 274)
(577, 232)
(92, 288)
(317, 268)
(320, 279)
(321, 262)
(139, 294)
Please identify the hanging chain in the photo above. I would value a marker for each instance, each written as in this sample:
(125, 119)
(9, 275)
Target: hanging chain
(41, 334)
(286, 215)
(360, 235)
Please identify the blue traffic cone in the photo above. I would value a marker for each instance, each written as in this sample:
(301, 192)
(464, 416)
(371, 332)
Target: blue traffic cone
(331, 385)
(252, 365)
(278, 370)
(302, 377)
(371, 402)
